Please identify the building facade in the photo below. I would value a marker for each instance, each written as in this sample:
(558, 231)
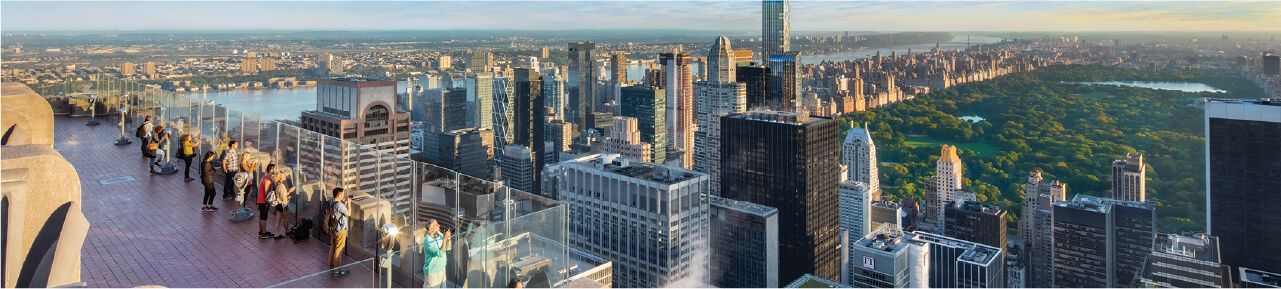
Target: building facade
(720, 95)
(745, 254)
(858, 154)
(1242, 163)
(580, 83)
(625, 140)
(776, 27)
(1129, 179)
(648, 105)
(1036, 228)
(1185, 262)
(650, 220)
(1100, 242)
(467, 151)
(788, 161)
(678, 82)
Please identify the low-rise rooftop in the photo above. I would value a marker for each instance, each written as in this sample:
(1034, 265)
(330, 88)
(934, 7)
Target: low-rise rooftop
(613, 163)
(746, 207)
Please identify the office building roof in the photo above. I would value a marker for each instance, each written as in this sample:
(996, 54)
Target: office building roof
(811, 281)
(1200, 246)
(746, 207)
(613, 163)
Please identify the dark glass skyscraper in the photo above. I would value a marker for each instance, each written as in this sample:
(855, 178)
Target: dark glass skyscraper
(745, 250)
(1243, 174)
(757, 79)
(788, 161)
(528, 116)
(975, 222)
(648, 106)
(581, 85)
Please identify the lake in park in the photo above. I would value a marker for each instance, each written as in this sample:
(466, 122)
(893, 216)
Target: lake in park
(1167, 85)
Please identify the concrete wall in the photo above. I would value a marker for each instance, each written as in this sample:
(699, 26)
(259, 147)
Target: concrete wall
(42, 190)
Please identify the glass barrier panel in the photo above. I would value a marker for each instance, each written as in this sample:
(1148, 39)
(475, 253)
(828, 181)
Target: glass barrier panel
(358, 274)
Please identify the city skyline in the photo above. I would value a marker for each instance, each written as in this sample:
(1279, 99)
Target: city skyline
(697, 15)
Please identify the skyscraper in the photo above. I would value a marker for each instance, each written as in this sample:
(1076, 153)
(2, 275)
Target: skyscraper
(1243, 167)
(649, 219)
(1036, 228)
(480, 100)
(648, 106)
(1101, 242)
(527, 120)
(467, 151)
(745, 254)
(1271, 64)
(976, 222)
(785, 82)
(625, 140)
(516, 168)
(618, 68)
(776, 27)
(678, 82)
(718, 96)
(858, 154)
(554, 93)
(788, 161)
(444, 111)
(855, 208)
(581, 85)
(757, 78)
(1129, 179)
(945, 187)
(480, 61)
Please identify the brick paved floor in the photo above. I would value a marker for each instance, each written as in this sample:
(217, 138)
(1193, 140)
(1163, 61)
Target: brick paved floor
(150, 231)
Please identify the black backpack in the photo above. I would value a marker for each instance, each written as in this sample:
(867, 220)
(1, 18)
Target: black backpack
(142, 131)
(300, 231)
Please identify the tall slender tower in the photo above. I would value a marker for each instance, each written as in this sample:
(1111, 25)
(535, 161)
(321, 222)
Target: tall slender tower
(1129, 179)
(718, 96)
(946, 186)
(678, 80)
(1036, 229)
(859, 154)
(527, 120)
(776, 27)
(480, 100)
(581, 85)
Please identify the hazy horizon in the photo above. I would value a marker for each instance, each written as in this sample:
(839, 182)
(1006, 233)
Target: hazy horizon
(994, 16)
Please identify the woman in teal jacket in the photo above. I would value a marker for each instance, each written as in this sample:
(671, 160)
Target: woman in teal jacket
(434, 259)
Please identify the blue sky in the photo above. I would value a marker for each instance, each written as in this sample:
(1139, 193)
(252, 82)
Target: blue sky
(699, 15)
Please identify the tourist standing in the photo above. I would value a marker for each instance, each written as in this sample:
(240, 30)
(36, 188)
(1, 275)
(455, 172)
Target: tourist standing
(207, 179)
(338, 237)
(434, 246)
(188, 153)
(230, 166)
(281, 203)
(264, 184)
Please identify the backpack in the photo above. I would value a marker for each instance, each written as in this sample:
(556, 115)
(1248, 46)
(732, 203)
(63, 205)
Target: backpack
(300, 231)
(330, 220)
(142, 131)
(151, 145)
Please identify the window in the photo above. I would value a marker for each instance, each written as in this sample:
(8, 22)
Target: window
(376, 116)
